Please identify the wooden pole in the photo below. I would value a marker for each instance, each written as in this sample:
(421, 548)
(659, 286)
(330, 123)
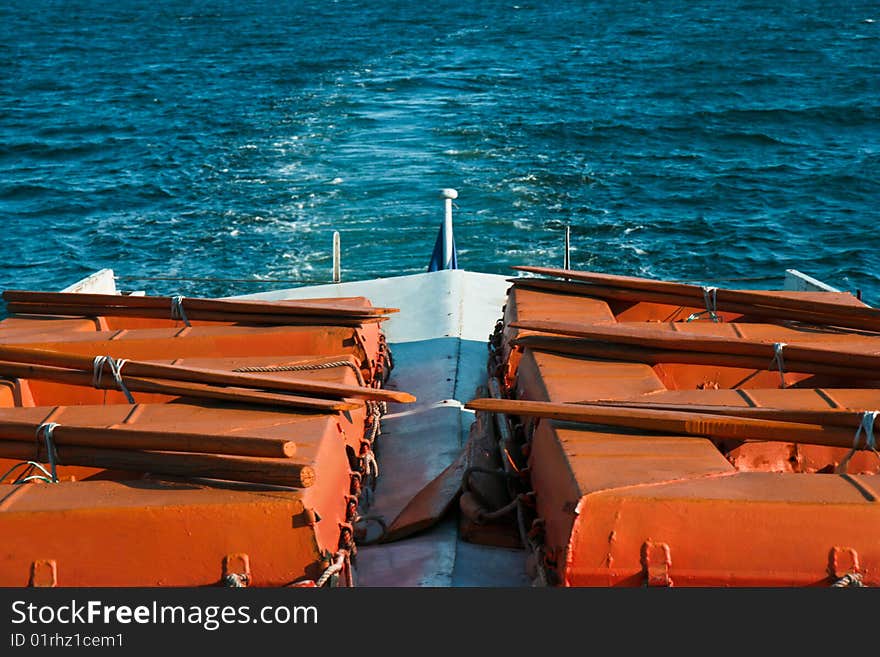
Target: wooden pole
(132, 438)
(181, 389)
(834, 417)
(203, 375)
(279, 472)
(19, 308)
(835, 313)
(647, 336)
(636, 296)
(676, 422)
(194, 305)
(634, 354)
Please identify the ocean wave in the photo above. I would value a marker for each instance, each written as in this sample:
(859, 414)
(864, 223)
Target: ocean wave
(844, 115)
(46, 151)
(684, 142)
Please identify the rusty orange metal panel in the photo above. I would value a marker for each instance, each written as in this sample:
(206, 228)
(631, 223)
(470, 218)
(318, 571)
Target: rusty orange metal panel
(201, 341)
(790, 334)
(301, 428)
(121, 528)
(188, 417)
(643, 311)
(749, 529)
(154, 533)
(567, 462)
(43, 329)
(630, 508)
(525, 304)
(689, 376)
(782, 456)
(175, 533)
(9, 394)
(544, 376)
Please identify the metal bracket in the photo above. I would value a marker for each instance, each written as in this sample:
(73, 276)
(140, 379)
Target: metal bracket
(236, 570)
(843, 561)
(307, 518)
(361, 341)
(656, 560)
(44, 573)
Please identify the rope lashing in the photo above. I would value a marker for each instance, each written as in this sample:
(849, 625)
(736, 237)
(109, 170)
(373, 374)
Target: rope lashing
(46, 430)
(779, 361)
(866, 426)
(375, 410)
(371, 465)
(375, 427)
(177, 311)
(30, 465)
(332, 569)
(236, 580)
(306, 368)
(115, 369)
(710, 300)
(849, 581)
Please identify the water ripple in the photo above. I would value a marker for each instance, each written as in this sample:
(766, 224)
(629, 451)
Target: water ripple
(678, 140)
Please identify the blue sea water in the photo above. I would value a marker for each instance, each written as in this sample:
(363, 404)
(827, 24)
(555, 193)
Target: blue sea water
(229, 139)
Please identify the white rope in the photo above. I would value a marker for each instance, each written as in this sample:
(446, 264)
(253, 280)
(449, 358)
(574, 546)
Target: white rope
(47, 429)
(236, 580)
(371, 464)
(177, 311)
(115, 369)
(778, 360)
(332, 569)
(23, 478)
(866, 426)
(443, 403)
(850, 580)
(375, 429)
